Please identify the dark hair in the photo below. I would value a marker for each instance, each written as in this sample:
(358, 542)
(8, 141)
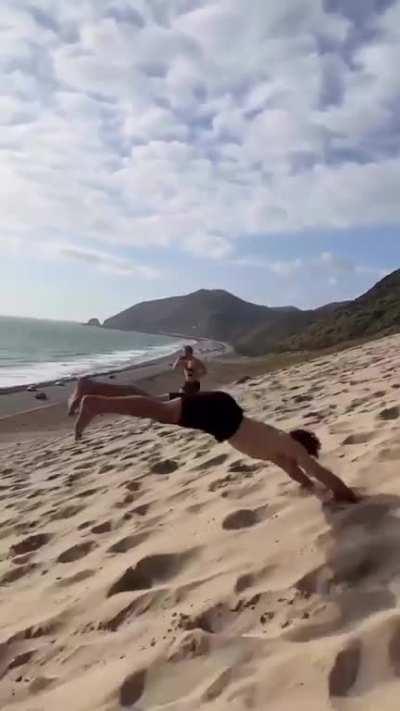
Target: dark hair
(309, 440)
(189, 349)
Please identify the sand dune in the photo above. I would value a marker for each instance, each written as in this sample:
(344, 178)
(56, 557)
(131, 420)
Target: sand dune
(148, 568)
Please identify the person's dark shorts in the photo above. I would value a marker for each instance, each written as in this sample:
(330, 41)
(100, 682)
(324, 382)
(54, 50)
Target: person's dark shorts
(190, 387)
(216, 413)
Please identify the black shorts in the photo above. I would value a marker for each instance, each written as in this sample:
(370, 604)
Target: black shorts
(216, 413)
(190, 387)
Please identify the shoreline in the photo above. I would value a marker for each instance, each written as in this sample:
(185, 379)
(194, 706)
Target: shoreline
(21, 411)
(218, 347)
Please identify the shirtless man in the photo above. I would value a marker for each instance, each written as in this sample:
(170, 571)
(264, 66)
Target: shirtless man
(193, 369)
(220, 416)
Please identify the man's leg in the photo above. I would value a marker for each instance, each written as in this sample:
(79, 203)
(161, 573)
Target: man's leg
(86, 386)
(135, 406)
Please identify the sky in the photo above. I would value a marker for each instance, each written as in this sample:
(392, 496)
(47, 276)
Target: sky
(154, 147)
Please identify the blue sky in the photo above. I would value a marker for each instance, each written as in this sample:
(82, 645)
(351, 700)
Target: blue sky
(154, 147)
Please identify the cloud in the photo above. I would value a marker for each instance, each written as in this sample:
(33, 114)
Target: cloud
(326, 265)
(106, 262)
(97, 259)
(335, 263)
(208, 246)
(191, 125)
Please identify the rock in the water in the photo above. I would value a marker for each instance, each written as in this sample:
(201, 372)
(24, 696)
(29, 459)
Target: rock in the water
(41, 396)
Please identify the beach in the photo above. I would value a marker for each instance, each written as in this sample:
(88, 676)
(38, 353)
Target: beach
(21, 412)
(150, 568)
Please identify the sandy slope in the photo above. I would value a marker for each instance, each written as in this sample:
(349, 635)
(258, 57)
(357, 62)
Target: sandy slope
(149, 568)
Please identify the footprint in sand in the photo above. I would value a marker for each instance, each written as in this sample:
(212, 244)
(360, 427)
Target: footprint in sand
(88, 492)
(105, 468)
(105, 527)
(213, 462)
(359, 438)
(241, 467)
(141, 510)
(243, 518)
(222, 483)
(132, 689)
(149, 570)
(16, 573)
(390, 413)
(200, 453)
(76, 552)
(126, 544)
(30, 544)
(141, 604)
(132, 485)
(128, 499)
(22, 559)
(84, 525)
(35, 494)
(345, 670)
(215, 689)
(303, 398)
(66, 512)
(83, 466)
(40, 684)
(21, 659)
(113, 451)
(165, 466)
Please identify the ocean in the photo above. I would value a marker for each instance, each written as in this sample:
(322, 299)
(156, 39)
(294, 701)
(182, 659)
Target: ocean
(38, 351)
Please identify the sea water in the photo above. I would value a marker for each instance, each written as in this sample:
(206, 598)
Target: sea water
(37, 351)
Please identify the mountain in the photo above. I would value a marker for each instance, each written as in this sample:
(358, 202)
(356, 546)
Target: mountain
(205, 313)
(257, 330)
(375, 313)
(282, 335)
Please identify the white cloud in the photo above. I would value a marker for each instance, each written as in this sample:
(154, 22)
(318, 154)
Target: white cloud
(326, 265)
(106, 262)
(210, 246)
(93, 258)
(335, 263)
(193, 124)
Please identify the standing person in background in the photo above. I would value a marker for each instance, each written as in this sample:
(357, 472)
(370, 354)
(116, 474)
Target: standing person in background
(193, 369)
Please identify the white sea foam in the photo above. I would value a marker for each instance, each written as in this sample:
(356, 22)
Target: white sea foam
(42, 351)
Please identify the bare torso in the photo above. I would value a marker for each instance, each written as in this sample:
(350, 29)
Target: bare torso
(192, 369)
(261, 441)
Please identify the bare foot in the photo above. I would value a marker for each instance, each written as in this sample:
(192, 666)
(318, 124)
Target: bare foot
(87, 412)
